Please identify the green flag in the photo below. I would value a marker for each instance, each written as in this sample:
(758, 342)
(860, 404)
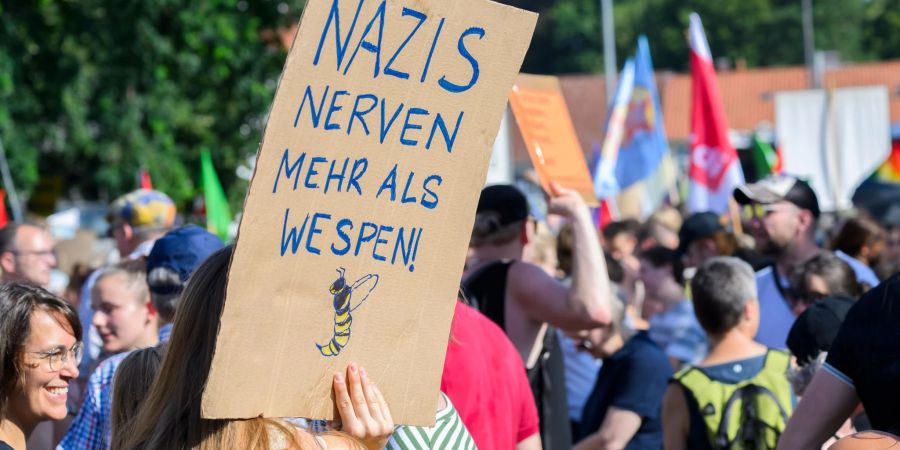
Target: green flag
(218, 214)
(765, 159)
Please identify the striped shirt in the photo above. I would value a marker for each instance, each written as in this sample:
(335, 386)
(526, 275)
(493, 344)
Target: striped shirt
(448, 432)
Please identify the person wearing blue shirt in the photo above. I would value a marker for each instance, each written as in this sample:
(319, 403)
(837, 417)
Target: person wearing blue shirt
(624, 408)
(169, 265)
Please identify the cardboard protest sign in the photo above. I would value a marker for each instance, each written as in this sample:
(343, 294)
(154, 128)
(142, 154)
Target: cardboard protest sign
(543, 118)
(359, 213)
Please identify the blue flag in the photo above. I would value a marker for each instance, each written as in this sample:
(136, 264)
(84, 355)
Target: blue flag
(644, 141)
(606, 182)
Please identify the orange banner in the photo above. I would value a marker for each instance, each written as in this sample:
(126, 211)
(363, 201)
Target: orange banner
(543, 118)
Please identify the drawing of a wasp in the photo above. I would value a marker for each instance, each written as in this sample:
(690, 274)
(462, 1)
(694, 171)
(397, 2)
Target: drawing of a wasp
(342, 309)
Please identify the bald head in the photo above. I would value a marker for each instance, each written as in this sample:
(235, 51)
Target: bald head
(26, 254)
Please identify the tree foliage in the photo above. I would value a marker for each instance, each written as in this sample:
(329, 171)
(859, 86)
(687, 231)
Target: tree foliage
(757, 32)
(91, 90)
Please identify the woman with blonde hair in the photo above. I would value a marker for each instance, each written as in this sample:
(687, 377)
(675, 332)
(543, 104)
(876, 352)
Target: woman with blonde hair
(170, 415)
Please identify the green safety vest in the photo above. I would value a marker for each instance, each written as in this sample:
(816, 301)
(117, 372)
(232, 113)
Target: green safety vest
(749, 415)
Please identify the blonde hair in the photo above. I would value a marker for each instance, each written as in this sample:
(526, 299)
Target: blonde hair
(170, 416)
(135, 273)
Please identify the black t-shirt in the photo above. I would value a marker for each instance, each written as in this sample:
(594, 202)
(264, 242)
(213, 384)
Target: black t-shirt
(634, 379)
(866, 353)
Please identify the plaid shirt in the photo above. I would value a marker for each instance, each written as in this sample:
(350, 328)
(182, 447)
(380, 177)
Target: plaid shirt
(91, 428)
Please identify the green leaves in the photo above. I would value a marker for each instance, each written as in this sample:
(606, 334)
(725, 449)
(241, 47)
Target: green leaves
(92, 91)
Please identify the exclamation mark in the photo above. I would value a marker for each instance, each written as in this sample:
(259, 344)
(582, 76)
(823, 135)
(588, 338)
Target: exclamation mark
(412, 267)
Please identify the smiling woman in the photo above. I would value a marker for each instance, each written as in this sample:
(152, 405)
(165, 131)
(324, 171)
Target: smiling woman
(39, 354)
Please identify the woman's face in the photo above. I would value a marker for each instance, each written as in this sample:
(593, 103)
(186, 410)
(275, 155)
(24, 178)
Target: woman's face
(43, 392)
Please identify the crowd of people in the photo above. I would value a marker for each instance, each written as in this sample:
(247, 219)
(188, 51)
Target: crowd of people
(679, 332)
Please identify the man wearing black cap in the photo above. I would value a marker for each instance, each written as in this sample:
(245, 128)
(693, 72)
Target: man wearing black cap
(522, 299)
(782, 212)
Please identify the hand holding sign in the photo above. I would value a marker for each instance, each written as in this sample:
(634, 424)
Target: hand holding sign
(565, 202)
(364, 412)
(372, 159)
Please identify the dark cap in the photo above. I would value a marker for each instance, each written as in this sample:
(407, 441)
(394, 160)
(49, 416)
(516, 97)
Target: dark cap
(815, 329)
(505, 201)
(697, 226)
(181, 251)
(779, 187)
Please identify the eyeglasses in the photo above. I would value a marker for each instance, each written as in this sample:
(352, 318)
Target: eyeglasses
(58, 357)
(41, 253)
(759, 210)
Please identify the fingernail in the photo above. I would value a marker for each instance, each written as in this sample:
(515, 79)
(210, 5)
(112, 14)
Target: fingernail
(338, 377)
(362, 372)
(352, 367)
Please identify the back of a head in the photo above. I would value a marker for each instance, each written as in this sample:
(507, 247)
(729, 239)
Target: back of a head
(721, 288)
(171, 262)
(134, 376)
(856, 233)
(501, 211)
(170, 418)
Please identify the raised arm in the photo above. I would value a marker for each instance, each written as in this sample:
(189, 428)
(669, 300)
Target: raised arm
(585, 304)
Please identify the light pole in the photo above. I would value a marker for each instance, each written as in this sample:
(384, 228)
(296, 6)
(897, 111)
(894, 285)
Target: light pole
(609, 48)
(809, 46)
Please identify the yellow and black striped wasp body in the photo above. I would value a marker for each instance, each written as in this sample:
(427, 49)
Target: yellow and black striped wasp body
(342, 293)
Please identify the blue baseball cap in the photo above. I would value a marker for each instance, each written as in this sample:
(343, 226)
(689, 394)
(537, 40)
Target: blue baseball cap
(181, 251)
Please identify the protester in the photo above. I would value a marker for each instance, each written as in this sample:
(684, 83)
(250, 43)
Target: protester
(170, 415)
(522, 299)
(39, 352)
(620, 240)
(171, 262)
(485, 378)
(123, 314)
(624, 408)
(133, 379)
(783, 214)
(740, 382)
(822, 276)
(26, 254)
(654, 232)
(136, 220)
(581, 368)
(674, 328)
(861, 366)
(701, 237)
(863, 239)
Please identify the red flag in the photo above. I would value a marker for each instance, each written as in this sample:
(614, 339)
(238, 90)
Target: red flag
(146, 182)
(714, 166)
(4, 219)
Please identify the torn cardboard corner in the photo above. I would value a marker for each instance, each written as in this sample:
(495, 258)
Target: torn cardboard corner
(358, 217)
(540, 110)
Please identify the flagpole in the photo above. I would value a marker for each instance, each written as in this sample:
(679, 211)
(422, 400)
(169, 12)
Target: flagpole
(14, 204)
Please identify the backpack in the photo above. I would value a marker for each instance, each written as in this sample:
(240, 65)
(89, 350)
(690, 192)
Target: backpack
(748, 415)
